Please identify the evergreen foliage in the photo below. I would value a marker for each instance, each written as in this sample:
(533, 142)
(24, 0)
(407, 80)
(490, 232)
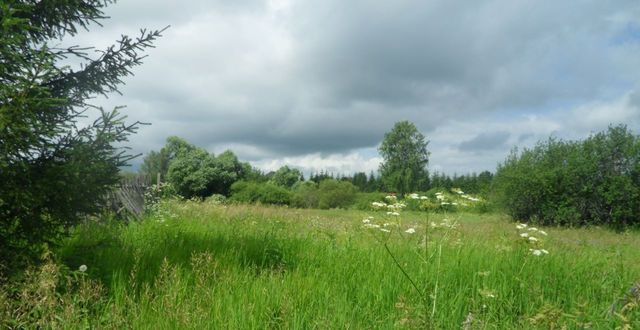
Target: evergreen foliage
(54, 170)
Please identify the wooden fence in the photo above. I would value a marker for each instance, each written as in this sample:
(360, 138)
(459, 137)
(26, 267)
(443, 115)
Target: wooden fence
(128, 197)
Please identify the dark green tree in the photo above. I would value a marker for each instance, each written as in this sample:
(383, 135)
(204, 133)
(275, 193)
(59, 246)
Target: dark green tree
(197, 173)
(53, 171)
(157, 162)
(286, 177)
(360, 180)
(404, 150)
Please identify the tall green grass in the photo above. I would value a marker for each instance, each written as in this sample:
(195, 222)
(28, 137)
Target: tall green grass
(197, 265)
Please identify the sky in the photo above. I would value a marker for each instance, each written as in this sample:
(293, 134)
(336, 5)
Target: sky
(316, 84)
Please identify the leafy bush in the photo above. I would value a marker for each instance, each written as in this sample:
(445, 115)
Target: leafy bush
(272, 194)
(216, 199)
(197, 173)
(336, 194)
(595, 181)
(305, 194)
(254, 192)
(363, 201)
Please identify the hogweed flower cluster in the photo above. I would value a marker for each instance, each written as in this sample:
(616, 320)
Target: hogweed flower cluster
(527, 233)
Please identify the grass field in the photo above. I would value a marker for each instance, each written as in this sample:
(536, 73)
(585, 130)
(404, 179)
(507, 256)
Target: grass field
(198, 265)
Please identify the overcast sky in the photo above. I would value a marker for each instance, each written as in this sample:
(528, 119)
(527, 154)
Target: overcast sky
(316, 84)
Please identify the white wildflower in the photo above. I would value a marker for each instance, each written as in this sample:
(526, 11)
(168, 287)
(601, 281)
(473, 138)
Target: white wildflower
(385, 230)
(543, 232)
(371, 225)
(410, 231)
(525, 235)
(424, 197)
(414, 196)
(367, 220)
(82, 268)
(533, 229)
(544, 251)
(519, 226)
(393, 213)
(536, 252)
(533, 239)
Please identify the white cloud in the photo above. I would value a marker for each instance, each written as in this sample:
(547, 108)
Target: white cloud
(313, 84)
(335, 163)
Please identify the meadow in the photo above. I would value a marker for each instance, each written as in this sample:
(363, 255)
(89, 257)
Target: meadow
(209, 265)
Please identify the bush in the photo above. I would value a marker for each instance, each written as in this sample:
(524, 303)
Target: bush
(305, 195)
(272, 194)
(363, 201)
(254, 192)
(216, 199)
(595, 181)
(336, 194)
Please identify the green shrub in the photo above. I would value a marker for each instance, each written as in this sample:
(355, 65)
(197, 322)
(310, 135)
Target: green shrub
(363, 201)
(336, 194)
(305, 195)
(245, 192)
(594, 181)
(253, 192)
(272, 194)
(216, 199)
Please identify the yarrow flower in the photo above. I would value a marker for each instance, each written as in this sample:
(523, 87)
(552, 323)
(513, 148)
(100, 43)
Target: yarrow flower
(82, 268)
(543, 232)
(521, 226)
(385, 230)
(410, 231)
(538, 252)
(525, 235)
(533, 239)
(393, 213)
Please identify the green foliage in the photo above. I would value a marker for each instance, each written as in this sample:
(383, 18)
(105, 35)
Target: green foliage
(193, 171)
(196, 173)
(53, 171)
(286, 177)
(305, 195)
(336, 194)
(157, 162)
(363, 201)
(595, 181)
(405, 155)
(254, 192)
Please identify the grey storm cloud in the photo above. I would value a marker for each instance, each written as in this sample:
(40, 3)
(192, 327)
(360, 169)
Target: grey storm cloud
(486, 141)
(288, 78)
